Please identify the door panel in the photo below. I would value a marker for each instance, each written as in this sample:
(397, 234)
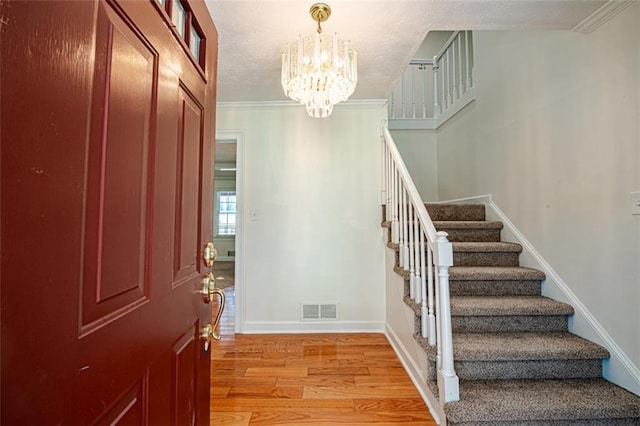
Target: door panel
(188, 188)
(118, 172)
(185, 372)
(131, 409)
(106, 201)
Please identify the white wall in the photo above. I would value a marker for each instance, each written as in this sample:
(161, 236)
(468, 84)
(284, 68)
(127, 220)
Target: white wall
(553, 135)
(418, 149)
(314, 185)
(400, 330)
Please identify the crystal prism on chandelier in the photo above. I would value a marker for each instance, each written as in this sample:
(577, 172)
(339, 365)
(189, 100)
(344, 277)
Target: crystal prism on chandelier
(319, 70)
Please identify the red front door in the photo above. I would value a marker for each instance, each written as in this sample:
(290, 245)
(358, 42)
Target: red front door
(106, 162)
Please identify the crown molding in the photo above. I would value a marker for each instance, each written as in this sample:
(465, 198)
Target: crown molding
(361, 103)
(602, 15)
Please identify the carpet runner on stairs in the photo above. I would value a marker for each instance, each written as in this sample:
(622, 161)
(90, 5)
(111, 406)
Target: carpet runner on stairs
(515, 358)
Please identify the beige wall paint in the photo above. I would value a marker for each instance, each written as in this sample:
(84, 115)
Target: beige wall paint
(418, 149)
(314, 185)
(553, 135)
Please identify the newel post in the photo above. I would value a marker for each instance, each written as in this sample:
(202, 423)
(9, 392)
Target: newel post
(447, 379)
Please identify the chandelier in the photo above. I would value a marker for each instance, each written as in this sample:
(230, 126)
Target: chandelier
(319, 70)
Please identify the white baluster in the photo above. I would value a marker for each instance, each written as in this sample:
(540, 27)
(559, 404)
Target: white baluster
(424, 312)
(402, 227)
(424, 92)
(404, 106)
(385, 181)
(443, 78)
(395, 231)
(437, 312)
(430, 298)
(405, 253)
(393, 106)
(389, 190)
(436, 105)
(410, 249)
(448, 77)
(416, 255)
(454, 85)
(383, 170)
(413, 91)
(469, 54)
(460, 79)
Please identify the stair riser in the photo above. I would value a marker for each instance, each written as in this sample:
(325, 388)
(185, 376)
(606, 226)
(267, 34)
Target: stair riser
(489, 288)
(494, 288)
(502, 324)
(486, 259)
(478, 259)
(543, 369)
(475, 212)
(509, 324)
(472, 235)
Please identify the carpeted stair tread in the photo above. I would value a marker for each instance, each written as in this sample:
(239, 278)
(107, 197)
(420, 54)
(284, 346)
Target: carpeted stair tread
(494, 273)
(443, 212)
(476, 247)
(507, 305)
(523, 346)
(486, 247)
(515, 359)
(467, 225)
(491, 253)
(502, 402)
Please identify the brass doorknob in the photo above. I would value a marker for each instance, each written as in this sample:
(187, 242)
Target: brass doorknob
(209, 254)
(216, 321)
(208, 332)
(208, 287)
(205, 333)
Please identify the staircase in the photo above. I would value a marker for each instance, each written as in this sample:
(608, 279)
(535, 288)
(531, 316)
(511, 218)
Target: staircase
(515, 358)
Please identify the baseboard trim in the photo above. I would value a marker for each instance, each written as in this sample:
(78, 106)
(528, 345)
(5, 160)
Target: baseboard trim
(294, 327)
(478, 199)
(582, 318)
(414, 373)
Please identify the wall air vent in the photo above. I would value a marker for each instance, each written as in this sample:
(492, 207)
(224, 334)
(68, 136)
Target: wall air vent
(319, 311)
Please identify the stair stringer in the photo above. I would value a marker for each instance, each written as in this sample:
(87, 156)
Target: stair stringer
(400, 331)
(619, 368)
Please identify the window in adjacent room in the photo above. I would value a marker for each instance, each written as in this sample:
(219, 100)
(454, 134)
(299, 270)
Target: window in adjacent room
(226, 213)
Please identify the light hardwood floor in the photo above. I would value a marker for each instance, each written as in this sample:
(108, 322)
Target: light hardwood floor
(319, 379)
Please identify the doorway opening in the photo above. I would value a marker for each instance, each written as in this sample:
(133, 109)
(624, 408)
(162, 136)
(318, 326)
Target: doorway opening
(228, 226)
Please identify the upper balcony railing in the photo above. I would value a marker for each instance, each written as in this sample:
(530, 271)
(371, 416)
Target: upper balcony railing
(432, 90)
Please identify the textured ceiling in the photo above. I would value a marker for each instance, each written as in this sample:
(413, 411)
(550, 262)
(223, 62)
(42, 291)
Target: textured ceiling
(385, 33)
